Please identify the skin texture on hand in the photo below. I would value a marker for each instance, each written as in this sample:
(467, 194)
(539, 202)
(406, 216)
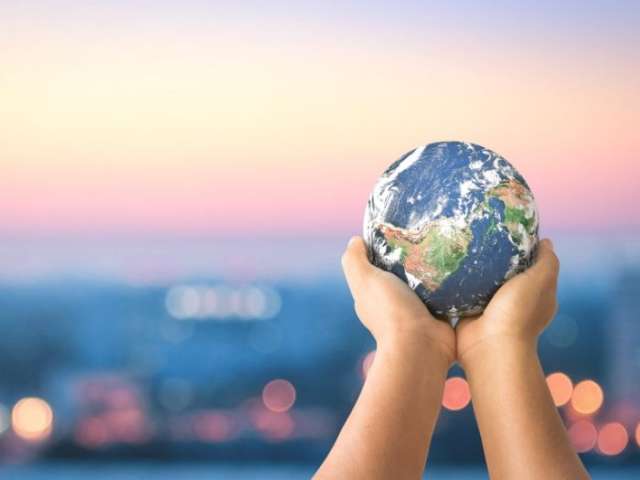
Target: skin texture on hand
(387, 307)
(522, 433)
(520, 309)
(388, 432)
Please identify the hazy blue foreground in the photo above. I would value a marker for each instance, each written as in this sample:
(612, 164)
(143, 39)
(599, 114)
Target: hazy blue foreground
(241, 373)
(202, 472)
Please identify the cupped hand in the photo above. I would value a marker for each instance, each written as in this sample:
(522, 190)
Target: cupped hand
(388, 308)
(518, 312)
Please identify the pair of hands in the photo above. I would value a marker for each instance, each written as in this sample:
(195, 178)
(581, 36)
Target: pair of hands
(391, 311)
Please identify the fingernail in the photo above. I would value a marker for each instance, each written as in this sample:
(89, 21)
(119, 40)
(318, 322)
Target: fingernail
(550, 243)
(351, 240)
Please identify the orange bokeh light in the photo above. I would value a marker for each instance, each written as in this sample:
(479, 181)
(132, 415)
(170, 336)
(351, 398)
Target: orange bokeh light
(279, 395)
(32, 419)
(638, 434)
(561, 388)
(612, 438)
(583, 436)
(367, 361)
(587, 397)
(456, 394)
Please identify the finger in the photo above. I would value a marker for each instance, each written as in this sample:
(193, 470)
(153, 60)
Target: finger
(356, 265)
(546, 263)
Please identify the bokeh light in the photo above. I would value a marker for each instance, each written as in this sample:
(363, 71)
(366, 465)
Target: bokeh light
(638, 434)
(612, 438)
(213, 427)
(367, 361)
(222, 302)
(456, 394)
(92, 432)
(275, 426)
(279, 395)
(126, 425)
(583, 436)
(32, 419)
(587, 397)
(561, 388)
(182, 302)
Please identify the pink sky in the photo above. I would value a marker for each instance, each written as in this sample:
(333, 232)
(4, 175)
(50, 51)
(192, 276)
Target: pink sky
(149, 126)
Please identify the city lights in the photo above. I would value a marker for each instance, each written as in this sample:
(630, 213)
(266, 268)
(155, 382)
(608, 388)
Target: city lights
(456, 394)
(92, 432)
(32, 419)
(279, 395)
(275, 426)
(183, 302)
(583, 436)
(587, 397)
(612, 438)
(186, 302)
(212, 427)
(561, 388)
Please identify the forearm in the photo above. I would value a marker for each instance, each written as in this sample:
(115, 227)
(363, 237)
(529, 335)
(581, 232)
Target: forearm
(522, 432)
(389, 430)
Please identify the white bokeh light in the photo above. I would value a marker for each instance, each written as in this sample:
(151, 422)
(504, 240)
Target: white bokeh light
(222, 302)
(183, 302)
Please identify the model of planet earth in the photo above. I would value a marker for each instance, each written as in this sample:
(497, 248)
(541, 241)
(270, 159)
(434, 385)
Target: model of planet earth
(454, 221)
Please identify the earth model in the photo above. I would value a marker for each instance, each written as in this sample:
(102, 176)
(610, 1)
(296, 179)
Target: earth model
(455, 221)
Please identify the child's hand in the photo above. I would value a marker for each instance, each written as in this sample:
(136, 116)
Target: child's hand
(519, 311)
(388, 308)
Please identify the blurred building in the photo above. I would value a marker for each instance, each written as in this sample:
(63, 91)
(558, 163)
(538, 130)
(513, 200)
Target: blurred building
(624, 346)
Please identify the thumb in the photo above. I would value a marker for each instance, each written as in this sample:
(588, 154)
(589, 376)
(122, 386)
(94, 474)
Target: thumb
(546, 264)
(356, 265)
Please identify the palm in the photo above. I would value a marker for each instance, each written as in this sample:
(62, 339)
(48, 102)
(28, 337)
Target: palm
(522, 307)
(396, 292)
(387, 306)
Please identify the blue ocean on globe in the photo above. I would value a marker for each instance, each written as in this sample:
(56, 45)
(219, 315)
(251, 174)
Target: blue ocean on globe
(455, 221)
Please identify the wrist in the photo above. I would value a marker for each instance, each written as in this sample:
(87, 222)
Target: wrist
(497, 348)
(417, 343)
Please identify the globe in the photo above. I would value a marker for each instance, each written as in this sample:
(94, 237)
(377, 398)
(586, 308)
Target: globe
(453, 220)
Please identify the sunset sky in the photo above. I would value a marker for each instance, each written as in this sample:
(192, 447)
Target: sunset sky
(259, 119)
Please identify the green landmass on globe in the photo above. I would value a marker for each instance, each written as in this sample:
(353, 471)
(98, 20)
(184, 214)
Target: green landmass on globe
(437, 249)
(455, 221)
